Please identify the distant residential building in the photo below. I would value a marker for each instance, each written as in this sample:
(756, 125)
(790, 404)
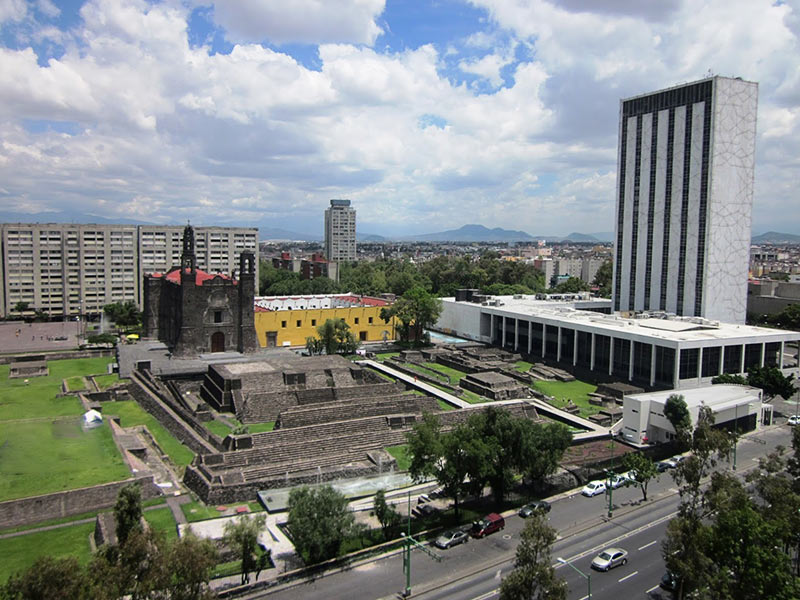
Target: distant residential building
(568, 267)
(309, 268)
(340, 231)
(547, 267)
(684, 200)
(70, 269)
(767, 297)
(289, 320)
(590, 267)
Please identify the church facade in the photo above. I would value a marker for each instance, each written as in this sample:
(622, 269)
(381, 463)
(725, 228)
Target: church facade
(194, 312)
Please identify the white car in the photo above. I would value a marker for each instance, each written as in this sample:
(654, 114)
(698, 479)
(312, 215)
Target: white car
(617, 481)
(593, 488)
(794, 420)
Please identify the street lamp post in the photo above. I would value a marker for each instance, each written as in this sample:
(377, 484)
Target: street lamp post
(588, 577)
(611, 480)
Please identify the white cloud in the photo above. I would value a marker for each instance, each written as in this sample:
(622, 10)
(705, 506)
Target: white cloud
(306, 21)
(47, 8)
(13, 10)
(164, 130)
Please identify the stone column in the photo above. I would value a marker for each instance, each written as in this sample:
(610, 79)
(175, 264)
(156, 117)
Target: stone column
(591, 359)
(652, 365)
(574, 347)
(630, 362)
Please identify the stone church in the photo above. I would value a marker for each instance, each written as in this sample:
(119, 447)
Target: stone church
(194, 312)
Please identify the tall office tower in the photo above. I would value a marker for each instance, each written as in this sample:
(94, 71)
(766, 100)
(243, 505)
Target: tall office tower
(684, 198)
(340, 231)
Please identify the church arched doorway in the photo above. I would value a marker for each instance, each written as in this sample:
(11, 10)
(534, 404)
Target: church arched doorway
(218, 342)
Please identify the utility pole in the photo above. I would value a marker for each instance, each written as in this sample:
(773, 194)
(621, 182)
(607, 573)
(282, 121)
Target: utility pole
(409, 542)
(588, 577)
(611, 479)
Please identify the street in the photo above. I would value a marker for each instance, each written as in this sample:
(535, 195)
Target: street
(473, 571)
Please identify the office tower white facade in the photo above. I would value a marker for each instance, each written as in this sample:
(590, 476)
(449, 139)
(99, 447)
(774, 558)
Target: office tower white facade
(340, 231)
(74, 269)
(684, 200)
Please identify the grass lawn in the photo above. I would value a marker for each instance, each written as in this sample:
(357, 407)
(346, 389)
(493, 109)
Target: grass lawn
(577, 391)
(453, 374)
(261, 427)
(217, 427)
(161, 519)
(76, 384)
(106, 381)
(37, 398)
(197, 511)
(44, 456)
(381, 356)
(20, 552)
(444, 405)
(522, 366)
(131, 413)
(400, 454)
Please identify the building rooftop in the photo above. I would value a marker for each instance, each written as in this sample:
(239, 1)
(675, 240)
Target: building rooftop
(651, 325)
(318, 301)
(200, 276)
(716, 396)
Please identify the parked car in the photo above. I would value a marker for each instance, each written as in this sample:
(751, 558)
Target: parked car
(794, 420)
(426, 510)
(669, 581)
(676, 460)
(664, 465)
(618, 481)
(610, 558)
(593, 488)
(629, 477)
(535, 506)
(451, 538)
(489, 524)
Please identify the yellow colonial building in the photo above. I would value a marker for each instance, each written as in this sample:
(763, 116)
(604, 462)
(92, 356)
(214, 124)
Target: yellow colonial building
(289, 320)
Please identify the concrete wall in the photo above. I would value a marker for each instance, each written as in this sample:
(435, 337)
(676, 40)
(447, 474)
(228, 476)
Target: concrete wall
(24, 511)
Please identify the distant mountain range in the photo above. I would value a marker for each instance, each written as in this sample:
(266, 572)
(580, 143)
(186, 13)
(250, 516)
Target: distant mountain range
(466, 234)
(773, 237)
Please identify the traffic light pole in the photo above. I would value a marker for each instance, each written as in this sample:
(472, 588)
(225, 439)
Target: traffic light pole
(611, 480)
(410, 542)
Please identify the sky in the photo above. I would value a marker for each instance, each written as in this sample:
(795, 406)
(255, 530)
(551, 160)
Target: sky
(427, 114)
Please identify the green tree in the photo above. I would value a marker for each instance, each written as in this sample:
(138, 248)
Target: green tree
(386, 514)
(416, 310)
(191, 563)
(677, 413)
(315, 346)
(124, 314)
(729, 379)
(48, 578)
(241, 535)
(319, 521)
(534, 577)
(788, 318)
(573, 285)
(542, 447)
(104, 338)
(334, 336)
(128, 511)
(21, 307)
(642, 468)
(603, 278)
(772, 381)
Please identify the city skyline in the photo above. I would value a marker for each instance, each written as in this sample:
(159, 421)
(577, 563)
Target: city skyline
(428, 117)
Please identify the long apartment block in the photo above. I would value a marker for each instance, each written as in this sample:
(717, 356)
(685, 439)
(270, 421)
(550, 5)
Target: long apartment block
(72, 269)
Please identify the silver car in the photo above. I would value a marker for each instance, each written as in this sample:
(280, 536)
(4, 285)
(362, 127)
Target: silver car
(610, 558)
(454, 537)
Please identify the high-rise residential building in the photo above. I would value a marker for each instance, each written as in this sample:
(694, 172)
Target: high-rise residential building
(340, 231)
(684, 199)
(72, 269)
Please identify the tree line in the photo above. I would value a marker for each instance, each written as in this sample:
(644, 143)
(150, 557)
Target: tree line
(441, 276)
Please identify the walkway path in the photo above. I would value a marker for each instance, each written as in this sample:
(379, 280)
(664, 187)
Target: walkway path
(420, 385)
(594, 430)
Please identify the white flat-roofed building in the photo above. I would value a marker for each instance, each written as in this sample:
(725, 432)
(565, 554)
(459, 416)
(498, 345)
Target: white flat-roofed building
(656, 350)
(643, 419)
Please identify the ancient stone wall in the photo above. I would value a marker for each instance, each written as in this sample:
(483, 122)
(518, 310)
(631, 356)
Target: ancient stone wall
(24, 511)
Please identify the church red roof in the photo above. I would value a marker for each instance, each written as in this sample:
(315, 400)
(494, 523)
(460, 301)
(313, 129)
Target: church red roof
(200, 276)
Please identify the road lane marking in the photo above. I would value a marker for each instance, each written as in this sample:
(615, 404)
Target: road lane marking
(647, 545)
(612, 542)
(627, 577)
(487, 595)
(655, 587)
